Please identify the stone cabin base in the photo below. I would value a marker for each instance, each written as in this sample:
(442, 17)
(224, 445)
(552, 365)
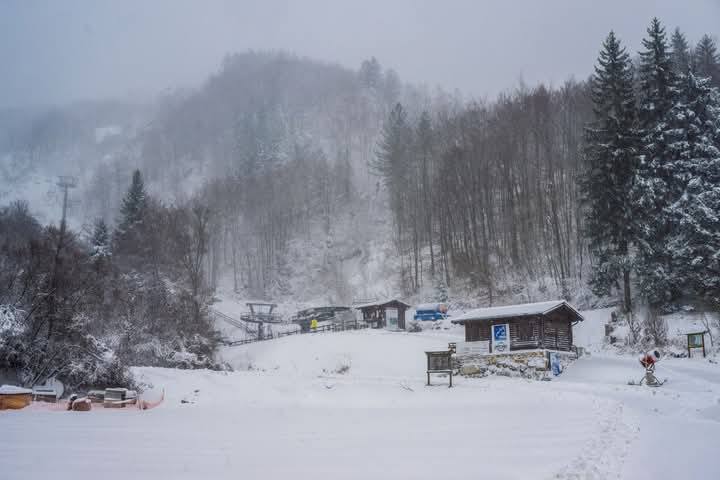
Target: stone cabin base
(532, 364)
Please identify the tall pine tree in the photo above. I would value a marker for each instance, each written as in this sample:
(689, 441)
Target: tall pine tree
(133, 209)
(657, 78)
(680, 53)
(611, 150)
(392, 164)
(653, 184)
(100, 239)
(707, 60)
(693, 137)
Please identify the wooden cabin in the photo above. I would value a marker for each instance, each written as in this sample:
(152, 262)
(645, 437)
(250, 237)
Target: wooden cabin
(388, 314)
(543, 325)
(342, 317)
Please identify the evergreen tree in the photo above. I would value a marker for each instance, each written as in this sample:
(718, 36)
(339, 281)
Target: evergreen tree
(133, 209)
(652, 187)
(392, 162)
(657, 78)
(134, 203)
(100, 239)
(371, 73)
(392, 156)
(693, 132)
(707, 60)
(611, 150)
(680, 53)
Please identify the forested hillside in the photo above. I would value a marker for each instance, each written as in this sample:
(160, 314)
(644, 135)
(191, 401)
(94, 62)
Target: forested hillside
(289, 179)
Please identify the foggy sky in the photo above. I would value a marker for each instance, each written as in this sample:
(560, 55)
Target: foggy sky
(65, 50)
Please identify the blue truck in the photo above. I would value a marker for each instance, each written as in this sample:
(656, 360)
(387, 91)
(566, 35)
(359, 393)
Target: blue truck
(431, 311)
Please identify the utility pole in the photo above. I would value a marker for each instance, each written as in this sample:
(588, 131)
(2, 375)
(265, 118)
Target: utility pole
(65, 183)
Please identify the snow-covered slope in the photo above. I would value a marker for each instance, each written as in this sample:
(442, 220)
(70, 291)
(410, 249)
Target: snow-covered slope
(354, 405)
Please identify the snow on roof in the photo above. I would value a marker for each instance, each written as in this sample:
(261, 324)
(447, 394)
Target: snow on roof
(13, 390)
(429, 306)
(521, 310)
(379, 303)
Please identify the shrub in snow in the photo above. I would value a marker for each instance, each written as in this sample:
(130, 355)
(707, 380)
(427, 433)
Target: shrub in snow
(12, 331)
(97, 372)
(343, 368)
(10, 324)
(634, 328)
(655, 327)
(414, 327)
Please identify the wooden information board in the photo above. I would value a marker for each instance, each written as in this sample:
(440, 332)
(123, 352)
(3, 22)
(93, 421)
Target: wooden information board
(695, 340)
(439, 362)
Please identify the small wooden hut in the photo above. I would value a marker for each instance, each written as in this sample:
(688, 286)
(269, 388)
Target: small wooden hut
(341, 317)
(14, 398)
(543, 325)
(388, 314)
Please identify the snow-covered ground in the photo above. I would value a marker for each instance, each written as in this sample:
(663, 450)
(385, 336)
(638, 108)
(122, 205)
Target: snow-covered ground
(353, 405)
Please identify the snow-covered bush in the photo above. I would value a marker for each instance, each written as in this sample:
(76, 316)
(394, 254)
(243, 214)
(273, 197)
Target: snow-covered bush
(9, 322)
(634, 328)
(97, 372)
(414, 327)
(11, 337)
(655, 328)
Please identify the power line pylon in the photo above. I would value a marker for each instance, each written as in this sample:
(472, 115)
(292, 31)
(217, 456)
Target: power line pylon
(65, 182)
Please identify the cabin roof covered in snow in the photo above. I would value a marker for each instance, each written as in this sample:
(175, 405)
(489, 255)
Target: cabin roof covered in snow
(522, 310)
(380, 303)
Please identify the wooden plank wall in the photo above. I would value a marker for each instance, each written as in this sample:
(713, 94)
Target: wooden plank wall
(530, 330)
(553, 331)
(557, 332)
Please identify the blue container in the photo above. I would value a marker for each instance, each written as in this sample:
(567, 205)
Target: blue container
(431, 312)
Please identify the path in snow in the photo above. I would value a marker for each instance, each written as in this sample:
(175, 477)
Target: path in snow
(672, 423)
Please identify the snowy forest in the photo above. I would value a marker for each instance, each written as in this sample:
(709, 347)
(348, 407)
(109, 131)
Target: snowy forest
(282, 177)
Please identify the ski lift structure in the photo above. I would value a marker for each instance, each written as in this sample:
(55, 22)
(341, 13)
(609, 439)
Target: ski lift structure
(261, 313)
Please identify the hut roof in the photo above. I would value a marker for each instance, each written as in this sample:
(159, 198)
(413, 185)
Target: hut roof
(522, 310)
(13, 390)
(381, 303)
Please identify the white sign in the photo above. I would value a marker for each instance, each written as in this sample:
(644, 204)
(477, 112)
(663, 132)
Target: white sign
(480, 347)
(500, 336)
(391, 318)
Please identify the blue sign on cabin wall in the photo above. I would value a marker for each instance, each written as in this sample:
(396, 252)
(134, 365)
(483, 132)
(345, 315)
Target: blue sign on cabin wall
(500, 340)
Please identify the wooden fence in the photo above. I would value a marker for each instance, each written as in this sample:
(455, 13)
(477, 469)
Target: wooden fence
(319, 329)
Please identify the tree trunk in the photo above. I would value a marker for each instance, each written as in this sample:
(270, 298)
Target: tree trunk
(626, 289)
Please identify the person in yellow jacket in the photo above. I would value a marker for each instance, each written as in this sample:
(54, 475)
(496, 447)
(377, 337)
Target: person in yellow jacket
(313, 324)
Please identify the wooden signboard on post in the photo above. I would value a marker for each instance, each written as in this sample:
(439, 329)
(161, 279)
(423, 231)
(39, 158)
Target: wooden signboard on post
(439, 362)
(695, 340)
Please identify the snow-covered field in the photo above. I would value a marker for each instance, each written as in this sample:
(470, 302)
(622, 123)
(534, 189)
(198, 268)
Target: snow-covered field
(353, 405)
